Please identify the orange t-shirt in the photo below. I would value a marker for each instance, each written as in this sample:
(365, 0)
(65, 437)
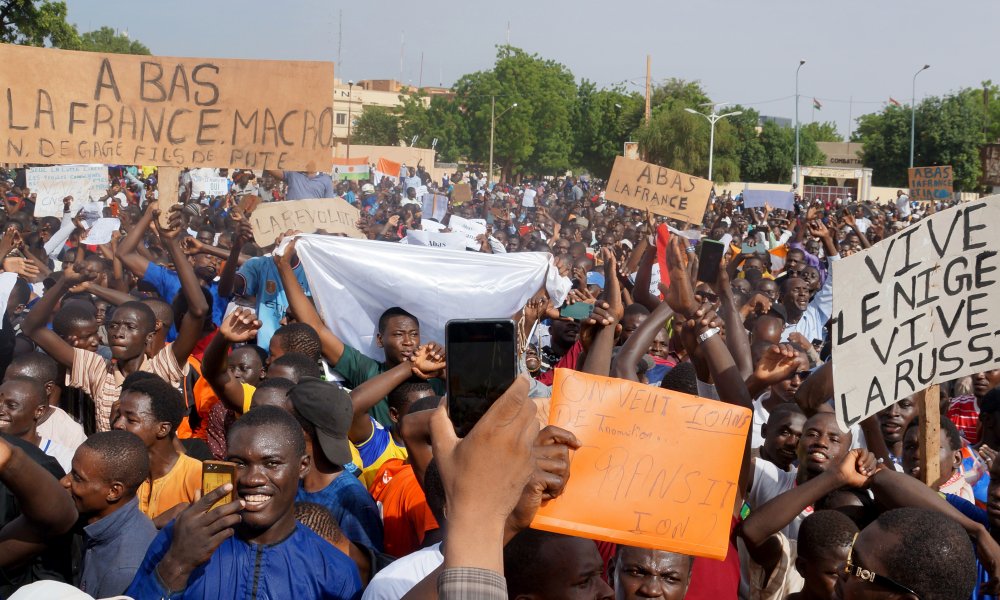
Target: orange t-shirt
(406, 517)
(179, 485)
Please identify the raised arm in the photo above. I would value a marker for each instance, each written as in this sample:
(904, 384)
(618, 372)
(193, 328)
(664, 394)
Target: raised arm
(127, 250)
(244, 235)
(305, 312)
(604, 321)
(109, 295)
(190, 329)
(46, 509)
(35, 324)
(736, 335)
(639, 342)
(240, 326)
(640, 291)
(768, 519)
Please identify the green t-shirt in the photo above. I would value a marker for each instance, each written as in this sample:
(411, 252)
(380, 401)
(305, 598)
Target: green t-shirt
(357, 368)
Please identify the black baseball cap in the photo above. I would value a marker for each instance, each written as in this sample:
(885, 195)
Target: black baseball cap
(327, 406)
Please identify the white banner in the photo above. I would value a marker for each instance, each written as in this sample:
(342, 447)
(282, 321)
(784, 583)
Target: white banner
(355, 281)
(470, 228)
(916, 309)
(52, 184)
(435, 239)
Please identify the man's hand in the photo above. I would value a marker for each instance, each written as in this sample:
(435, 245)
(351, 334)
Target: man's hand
(485, 473)
(856, 467)
(240, 326)
(818, 229)
(680, 294)
(778, 363)
(67, 203)
(21, 266)
(174, 226)
(191, 245)
(428, 361)
(758, 304)
(198, 532)
(288, 257)
(75, 274)
(800, 341)
(548, 480)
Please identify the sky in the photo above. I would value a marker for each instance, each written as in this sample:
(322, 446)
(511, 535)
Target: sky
(742, 52)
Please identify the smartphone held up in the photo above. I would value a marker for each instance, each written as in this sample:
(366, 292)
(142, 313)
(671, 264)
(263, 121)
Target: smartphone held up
(482, 363)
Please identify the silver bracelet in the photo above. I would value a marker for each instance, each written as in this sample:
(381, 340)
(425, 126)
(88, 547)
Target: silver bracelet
(707, 334)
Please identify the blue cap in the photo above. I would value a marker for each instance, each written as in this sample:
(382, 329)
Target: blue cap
(595, 278)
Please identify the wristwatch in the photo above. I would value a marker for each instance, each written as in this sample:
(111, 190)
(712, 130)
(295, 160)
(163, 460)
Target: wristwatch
(707, 334)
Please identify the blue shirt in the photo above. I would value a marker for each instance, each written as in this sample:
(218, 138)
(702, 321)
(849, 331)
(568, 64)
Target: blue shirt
(302, 566)
(350, 503)
(168, 285)
(113, 550)
(303, 187)
(259, 277)
(980, 516)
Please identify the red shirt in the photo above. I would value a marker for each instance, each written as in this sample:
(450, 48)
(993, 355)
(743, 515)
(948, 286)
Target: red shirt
(716, 579)
(566, 362)
(964, 413)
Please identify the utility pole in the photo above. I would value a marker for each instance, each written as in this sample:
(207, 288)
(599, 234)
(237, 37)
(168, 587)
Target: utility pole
(649, 67)
(420, 80)
(340, 36)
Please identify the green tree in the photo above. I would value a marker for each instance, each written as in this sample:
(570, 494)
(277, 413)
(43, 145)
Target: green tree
(377, 126)
(949, 131)
(34, 23)
(436, 118)
(106, 39)
(820, 132)
(536, 136)
(601, 126)
(779, 149)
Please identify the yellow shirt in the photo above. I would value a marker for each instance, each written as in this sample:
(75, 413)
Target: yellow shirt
(179, 485)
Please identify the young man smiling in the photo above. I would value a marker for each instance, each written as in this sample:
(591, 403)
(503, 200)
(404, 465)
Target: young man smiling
(130, 331)
(107, 470)
(251, 547)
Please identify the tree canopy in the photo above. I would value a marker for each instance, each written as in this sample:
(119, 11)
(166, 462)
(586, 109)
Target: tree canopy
(43, 23)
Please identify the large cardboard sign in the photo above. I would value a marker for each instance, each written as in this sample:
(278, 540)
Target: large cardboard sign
(461, 193)
(931, 183)
(660, 190)
(331, 215)
(63, 107)
(916, 309)
(657, 469)
(52, 184)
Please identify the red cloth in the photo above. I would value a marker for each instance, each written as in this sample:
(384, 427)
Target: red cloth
(566, 362)
(964, 413)
(662, 243)
(716, 579)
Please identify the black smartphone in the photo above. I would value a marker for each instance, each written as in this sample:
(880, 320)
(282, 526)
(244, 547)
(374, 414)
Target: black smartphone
(482, 363)
(709, 259)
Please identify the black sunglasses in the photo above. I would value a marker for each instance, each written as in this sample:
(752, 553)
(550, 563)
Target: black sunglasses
(854, 570)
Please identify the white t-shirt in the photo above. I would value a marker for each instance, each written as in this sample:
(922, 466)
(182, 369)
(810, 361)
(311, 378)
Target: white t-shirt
(903, 206)
(768, 482)
(62, 429)
(394, 581)
(59, 452)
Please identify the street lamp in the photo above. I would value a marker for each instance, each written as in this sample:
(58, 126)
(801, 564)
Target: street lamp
(712, 120)
(797, 166)
(350, 105)
(493, 126)
(913, 111)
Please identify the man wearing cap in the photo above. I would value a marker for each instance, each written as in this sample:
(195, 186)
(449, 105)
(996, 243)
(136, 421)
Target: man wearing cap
(325, 413)
(369, 201)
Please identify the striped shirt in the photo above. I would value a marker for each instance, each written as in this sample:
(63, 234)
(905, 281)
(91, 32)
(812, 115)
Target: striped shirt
(102, 379)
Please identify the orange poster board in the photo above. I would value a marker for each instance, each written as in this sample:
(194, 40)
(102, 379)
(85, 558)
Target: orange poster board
(657, 468)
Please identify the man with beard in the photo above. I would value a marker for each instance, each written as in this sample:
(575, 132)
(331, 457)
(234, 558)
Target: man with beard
(251, 547)
(165, 280)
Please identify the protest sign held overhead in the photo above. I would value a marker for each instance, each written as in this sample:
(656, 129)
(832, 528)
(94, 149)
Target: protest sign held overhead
(332, 215)
(642, 476)
(209, 183)
(461, 194)
(931, 183)
(64, 107)
(52, 184)
(916, 309)
(660, 190)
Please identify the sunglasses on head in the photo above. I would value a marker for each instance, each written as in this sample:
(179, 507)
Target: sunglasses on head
(852, 569)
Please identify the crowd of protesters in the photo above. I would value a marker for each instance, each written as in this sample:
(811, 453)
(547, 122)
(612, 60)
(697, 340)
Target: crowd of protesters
(127, 364)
